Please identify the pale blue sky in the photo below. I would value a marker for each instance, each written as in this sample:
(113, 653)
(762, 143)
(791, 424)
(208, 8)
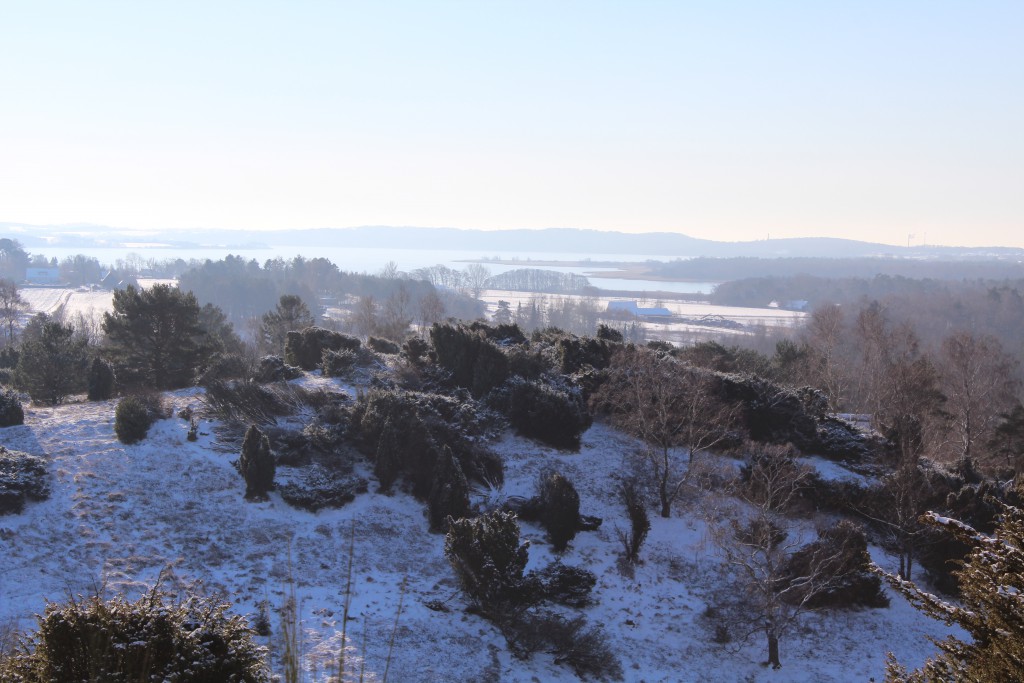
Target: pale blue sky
(726, 120)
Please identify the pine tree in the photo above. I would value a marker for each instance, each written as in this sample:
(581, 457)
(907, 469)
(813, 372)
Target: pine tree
(101, 380)
(991, 609)
(154, 336)
(256, 464)
(52, 366)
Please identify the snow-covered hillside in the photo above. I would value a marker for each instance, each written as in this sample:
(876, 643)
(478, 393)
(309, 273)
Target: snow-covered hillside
(118, 515)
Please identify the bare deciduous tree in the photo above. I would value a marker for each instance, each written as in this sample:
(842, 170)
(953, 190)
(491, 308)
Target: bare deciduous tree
(671, 407)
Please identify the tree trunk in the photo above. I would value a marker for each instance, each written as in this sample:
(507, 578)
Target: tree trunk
(773, 651)
(666, 502)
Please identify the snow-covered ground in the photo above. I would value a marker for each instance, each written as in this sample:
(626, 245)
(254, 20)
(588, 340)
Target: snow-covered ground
(120, 514)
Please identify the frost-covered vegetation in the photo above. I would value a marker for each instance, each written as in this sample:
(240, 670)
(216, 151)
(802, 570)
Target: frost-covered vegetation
(469, 501)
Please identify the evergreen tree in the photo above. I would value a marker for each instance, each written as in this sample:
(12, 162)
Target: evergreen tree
(256, 464)
(991, 608)
(154, 336)
(52, 366)
(101, 380)
(290, 315)
(387, 463)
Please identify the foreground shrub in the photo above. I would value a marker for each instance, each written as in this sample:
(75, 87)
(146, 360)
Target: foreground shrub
(101, 381)
(338, 363)
(383, 345)
(553, 416)
(11, 412)
(488, 559)
(22, 478)
(560, 509)
(319, 488)
(841, 553)
(583, 648)
(274, 369)
(474, 361)
(151, 639)
(132, 419)
(639, 521)
(449, 496)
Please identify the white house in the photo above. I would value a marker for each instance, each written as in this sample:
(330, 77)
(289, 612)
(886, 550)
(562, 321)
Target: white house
(42, 276)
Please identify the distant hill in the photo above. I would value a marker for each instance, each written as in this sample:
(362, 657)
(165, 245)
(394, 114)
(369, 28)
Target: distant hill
(651, 245)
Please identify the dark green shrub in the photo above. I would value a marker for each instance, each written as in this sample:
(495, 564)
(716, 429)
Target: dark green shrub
(132, 419)
(474, 361)
(607, 333)
(151, 639)
(840, 561)
(574, 353)
(383, 345)
(274, 369)
(559, 509)
(583, 648)
(306, 348)
(226, 366)
(387, 462)
(563, 585)
(338, 363)
(449, 496)
(23, 478)
(9, 357)
(416, 350)
(553, 416)
(101, 381)
(320, 488)
(256, 464)
(488, 559)
(11, 412)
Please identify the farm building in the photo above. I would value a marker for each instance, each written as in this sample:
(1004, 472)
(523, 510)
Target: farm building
(633, 308)
(42, 276)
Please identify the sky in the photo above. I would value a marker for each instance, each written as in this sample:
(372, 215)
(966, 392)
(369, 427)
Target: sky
(895, 122)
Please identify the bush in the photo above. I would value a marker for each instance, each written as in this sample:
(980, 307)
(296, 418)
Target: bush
(338, 363)
(226, 366)
(559, 509)
(416, 350)
(320, 488)
(639, 521)
(562, 584)
(249, 402)
(256, 464)
(22, 478)
(101, 383)
(132, 419)
(306, 348)
(274, 369)
(840, 557)
(449, 496)
(474, 361)
(488, 559)
(11, 412)
(607, 333)
(553, 416)
(383, 345)
(151, 639)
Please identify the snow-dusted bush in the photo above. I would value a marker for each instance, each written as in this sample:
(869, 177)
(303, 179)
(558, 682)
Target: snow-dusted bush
(22, 478)
(583, 648)
(537, 410)
(338, 363)
(639, 521)
(319, 488)
(475, 362)
(383, 345)
(488, 559)
(842, 553)
(274, 369)
(559, 509)
(132, 419)
(151, 639)
(306, 348)
(101, 384)
(256, 464)
(11, 412)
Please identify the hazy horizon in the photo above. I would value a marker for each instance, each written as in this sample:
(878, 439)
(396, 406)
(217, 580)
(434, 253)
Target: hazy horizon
(882, 123)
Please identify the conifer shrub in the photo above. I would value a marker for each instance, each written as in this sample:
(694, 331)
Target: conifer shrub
(474, 361)
(559, 509)
(274, 369)
(571, 640)
(11, 411)
(319, 488)
(226, 366)
(383, 345)
(839, 555)
(132, 419)
(575, 353)
(449, 495)
(338, 363)
(150, 639)
(256, 464)
(306, 348)
(101, 384)
(23, 478)
(537, 410)
(609, 334)
(562, 584)
(488, 559)
(416, 350)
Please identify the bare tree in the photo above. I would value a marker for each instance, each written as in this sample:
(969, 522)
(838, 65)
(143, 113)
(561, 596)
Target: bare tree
(980, 382)
(475, 277)
(756, 543)
(671, 407)
(364, 316)
(12, 306)
(431, 309)
(825, 336)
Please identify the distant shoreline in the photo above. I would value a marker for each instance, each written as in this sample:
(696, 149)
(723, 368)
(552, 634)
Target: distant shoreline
(626, 270)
